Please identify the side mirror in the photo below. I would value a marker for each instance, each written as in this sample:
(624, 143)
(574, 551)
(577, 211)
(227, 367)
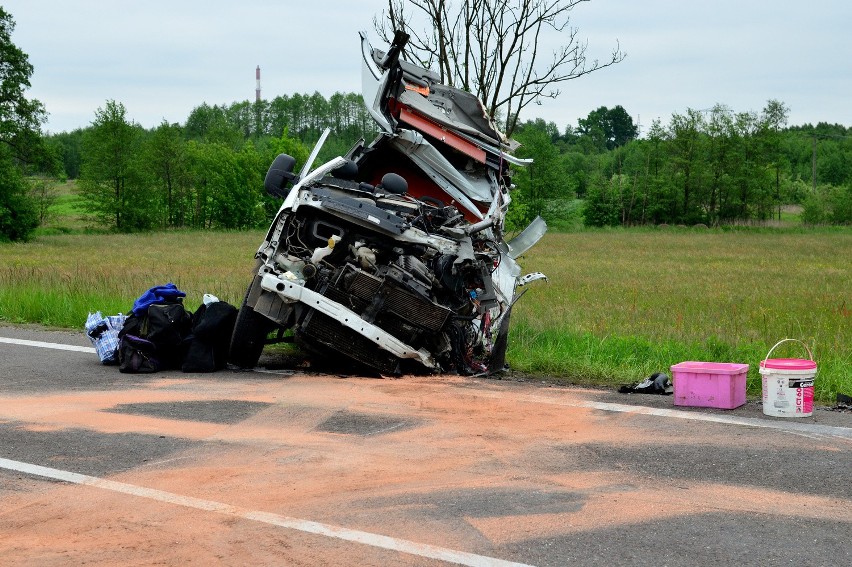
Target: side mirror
(279, 175)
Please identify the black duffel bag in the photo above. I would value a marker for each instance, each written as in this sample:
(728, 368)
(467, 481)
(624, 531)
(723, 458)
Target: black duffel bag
(210, 338)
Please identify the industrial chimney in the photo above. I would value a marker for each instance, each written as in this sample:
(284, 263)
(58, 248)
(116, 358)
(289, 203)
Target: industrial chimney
(257, 89)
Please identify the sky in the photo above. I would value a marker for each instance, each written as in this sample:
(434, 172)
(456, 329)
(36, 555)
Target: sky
(162, 58)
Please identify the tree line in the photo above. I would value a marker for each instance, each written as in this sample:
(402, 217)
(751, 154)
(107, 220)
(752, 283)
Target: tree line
(205, 173)
(21, 150)
(707, 167)
(710, 167)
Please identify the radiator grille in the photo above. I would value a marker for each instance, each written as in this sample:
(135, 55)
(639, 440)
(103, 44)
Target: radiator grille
(346, 341)
(415, 309)
(411, 307)
(408, 316)
(363, 285)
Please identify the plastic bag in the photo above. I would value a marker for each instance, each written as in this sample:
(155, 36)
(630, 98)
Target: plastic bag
(103, 332)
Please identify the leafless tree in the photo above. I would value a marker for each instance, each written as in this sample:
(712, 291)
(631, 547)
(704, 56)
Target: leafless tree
(493, 48)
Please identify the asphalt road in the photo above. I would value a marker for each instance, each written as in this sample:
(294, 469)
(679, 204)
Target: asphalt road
(281, 468)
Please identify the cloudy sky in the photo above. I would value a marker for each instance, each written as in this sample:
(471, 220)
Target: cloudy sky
(163, 58)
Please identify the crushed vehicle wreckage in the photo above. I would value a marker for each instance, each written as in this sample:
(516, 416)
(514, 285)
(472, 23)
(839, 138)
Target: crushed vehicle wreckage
(394, 255)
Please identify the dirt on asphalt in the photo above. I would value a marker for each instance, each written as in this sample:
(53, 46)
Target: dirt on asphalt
(499, 468)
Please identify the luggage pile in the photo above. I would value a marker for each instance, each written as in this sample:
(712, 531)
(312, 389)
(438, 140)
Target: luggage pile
(161, 334)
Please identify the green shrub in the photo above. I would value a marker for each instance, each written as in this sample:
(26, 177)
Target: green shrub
(829, 204)
(18, 211)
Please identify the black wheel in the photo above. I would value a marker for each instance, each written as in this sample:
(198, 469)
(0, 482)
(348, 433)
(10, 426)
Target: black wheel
(249, 337)
(498, 353)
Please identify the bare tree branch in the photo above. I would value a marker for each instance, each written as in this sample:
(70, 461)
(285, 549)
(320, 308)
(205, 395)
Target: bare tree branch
(493, 48)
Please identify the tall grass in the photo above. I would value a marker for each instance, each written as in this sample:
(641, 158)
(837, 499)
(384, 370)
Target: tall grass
(619, 304)
(56, 280)
(622, 304)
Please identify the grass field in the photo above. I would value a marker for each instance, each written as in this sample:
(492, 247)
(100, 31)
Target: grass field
(619, 305)
(623, 304)
(66, 213)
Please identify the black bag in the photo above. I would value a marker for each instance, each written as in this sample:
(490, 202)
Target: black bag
(210, 338)
(164, 327)
(167, 325)
(137, 355)
(132, 326)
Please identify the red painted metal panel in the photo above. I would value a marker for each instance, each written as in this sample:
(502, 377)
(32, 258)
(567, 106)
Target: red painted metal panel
(435, 130)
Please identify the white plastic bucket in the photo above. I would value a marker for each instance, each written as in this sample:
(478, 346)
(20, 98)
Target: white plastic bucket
(788, 384)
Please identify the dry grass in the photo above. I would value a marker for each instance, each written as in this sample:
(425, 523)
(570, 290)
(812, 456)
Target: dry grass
(57, 280)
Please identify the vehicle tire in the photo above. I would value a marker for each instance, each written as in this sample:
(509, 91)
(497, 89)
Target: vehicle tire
(249, 337)
(497, 363)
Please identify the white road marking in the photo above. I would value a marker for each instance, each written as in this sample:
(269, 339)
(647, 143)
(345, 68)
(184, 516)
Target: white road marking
(788, 426)
(307, 526)
(40, 344)
(782, 424)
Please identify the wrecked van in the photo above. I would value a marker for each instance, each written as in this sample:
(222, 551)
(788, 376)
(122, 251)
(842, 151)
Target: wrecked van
(393, 256)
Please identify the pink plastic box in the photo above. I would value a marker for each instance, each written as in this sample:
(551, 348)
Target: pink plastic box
(709, 384)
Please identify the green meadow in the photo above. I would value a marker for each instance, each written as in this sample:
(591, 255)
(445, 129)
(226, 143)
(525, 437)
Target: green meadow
(618, 306)
(623, 304)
